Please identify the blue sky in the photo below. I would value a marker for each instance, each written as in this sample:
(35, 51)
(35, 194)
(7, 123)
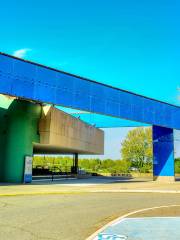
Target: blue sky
(131, 44)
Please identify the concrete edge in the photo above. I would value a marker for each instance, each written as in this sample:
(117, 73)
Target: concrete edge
(164, 179)
(38, 193)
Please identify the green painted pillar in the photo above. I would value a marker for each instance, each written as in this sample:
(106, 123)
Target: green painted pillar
(22, 120)
(5, 102)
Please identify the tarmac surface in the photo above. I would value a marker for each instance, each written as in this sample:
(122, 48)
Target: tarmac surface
(69, 210)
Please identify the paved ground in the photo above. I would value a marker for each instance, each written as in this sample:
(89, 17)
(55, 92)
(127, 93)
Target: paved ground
(75, 212)
(95, 184)
(70, 216)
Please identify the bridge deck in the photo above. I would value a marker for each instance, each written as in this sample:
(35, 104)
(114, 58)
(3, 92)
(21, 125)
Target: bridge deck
(33, 81)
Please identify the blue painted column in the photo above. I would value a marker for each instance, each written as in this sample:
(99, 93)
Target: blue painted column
(163, 154)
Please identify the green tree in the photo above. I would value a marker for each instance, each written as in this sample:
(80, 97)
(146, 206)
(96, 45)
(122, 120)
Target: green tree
(120, 166)
(177, 165)
(137, 148)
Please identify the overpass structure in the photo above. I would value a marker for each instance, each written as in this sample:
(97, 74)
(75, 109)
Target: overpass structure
(39, 84)
(28, 128)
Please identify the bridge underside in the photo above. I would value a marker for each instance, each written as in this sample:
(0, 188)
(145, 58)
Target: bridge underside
(27, 128)
(50, 149)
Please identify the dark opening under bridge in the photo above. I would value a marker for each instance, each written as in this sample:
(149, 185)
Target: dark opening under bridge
(41, 84)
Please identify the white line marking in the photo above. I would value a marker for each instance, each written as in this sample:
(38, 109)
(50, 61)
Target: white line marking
(134, 191)
(119, 219)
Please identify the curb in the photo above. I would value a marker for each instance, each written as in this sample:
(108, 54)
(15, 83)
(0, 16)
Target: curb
(89, 191)
(38, 193)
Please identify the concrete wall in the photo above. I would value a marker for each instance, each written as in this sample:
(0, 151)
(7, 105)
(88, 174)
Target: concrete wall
(60, 132)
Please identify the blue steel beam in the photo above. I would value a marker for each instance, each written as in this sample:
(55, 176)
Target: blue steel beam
(163, 152)
(36, 82)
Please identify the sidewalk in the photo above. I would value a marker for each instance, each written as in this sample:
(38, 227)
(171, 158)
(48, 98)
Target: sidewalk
(90, 185)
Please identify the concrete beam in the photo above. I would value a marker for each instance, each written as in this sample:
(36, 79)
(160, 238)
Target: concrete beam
(62, 133)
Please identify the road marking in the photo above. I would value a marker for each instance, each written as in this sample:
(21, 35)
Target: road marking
(157, 228)
(106, 236)
(134, 191)
(39, 193)
(122, 218)
(87, 191)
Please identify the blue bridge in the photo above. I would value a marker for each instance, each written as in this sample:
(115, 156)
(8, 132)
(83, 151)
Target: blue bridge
(39, 84)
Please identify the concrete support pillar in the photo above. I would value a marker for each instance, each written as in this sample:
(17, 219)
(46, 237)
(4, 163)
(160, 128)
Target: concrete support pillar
(75, 164)
(163, 154)
(22, 119)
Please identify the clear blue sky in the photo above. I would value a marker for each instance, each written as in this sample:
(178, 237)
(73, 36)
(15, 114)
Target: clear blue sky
(131, 44)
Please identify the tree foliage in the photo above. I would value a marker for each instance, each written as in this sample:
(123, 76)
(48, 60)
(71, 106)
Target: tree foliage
(177, 165)
(137, 147)
(94, 165)
(90, 165)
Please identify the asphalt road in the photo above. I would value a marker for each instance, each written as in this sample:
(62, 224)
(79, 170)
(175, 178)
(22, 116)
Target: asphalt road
(71, 216)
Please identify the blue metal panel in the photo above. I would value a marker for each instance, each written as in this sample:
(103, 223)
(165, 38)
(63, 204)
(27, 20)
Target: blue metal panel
(163, 149)
(35, 82)
(81, 96)
(22, 79)
(6, 74)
